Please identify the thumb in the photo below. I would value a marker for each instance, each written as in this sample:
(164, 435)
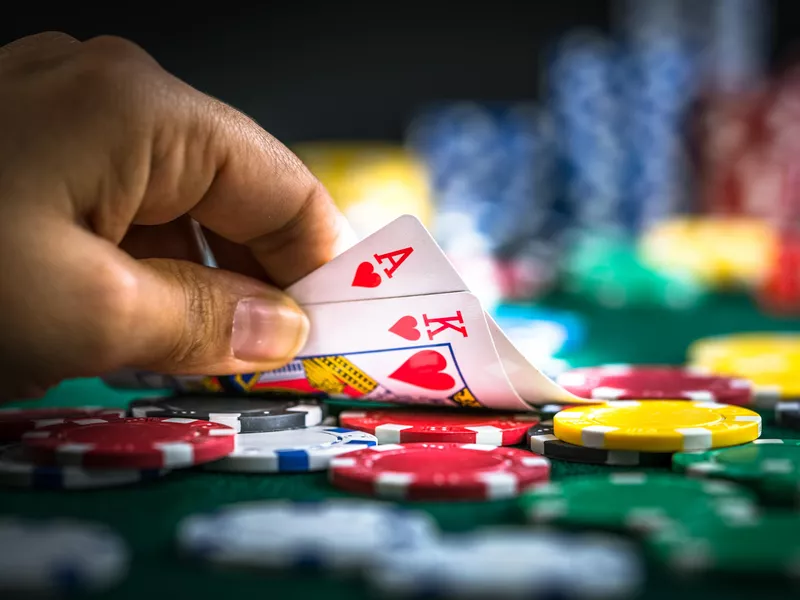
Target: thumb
(192, 319)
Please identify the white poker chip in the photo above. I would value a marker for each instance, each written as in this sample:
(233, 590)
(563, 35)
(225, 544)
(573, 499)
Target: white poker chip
(336, 534)
(511, 563)
(293, 450)
(59, 556)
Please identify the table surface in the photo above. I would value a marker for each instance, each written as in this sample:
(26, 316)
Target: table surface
(146, 515)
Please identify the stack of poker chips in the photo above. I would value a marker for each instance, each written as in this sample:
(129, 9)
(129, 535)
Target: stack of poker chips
(710, 475)
(95, 447)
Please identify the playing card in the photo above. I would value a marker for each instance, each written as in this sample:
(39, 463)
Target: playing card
(433, 349)
(400, 259)
(403, 259)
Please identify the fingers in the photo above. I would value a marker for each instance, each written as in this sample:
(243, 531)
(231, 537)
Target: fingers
(165, 315)
(90, 308)
(192, 319)
(242, 184)
(259, 194)
(139, 145)
(290, 224)
(111, 139)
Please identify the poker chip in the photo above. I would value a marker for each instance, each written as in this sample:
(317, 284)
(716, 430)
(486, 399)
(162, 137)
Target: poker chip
(634, 502)
(657, 425)
(626, 382)
(787, 414)
(754, 544)
(340, 534)
(245, 414)
(17, 470)
(460, 427)
(542, 441)
(770, 360)
(776, 461)
(134, 443)
(755, 351)
(295, 450)
(428, 471)
(14, 422)
(59, 557)
(501, 562)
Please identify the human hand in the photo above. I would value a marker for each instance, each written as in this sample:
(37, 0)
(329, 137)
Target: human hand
(104, 158)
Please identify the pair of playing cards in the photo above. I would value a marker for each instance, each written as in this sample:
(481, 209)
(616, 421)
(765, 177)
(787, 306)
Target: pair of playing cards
(391, 320)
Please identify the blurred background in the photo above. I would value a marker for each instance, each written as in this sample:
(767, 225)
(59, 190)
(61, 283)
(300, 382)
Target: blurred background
(569, 157)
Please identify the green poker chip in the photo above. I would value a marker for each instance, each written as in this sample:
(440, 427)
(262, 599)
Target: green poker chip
(758, 544)
(770, 466)
(635, 502)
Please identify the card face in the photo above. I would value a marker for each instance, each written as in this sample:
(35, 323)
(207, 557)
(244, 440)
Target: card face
(400, 259)
(433, 349)
(430, 272)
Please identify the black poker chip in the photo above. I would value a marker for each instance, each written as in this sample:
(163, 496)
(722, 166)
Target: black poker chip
(246, 414)
(541, 440)
(787, 414)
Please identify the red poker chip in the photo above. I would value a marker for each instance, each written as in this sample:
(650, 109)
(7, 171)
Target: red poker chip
(459, 427)
(653, 382)
(136, 443)
(14, 422)
(427, 471)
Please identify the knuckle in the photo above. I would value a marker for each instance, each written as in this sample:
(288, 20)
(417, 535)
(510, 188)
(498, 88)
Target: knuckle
(114, 48)
(113, 71)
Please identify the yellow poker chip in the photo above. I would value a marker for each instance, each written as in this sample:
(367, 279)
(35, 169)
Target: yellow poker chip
(771, 360)
(372, 183)
(657, 425)
(720, 251)
(752, 352)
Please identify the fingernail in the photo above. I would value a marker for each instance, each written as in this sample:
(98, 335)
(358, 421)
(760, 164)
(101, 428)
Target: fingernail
(267, 331)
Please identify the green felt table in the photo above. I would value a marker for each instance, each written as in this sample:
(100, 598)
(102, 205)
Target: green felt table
(146, 515)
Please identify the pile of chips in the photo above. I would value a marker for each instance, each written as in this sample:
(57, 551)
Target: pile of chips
(711, 480)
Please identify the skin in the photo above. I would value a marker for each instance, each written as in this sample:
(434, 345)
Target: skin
(104, 158)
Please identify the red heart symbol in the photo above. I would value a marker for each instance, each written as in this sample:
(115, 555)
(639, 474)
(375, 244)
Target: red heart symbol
(424, 369)
(366, 276)
(406, 327)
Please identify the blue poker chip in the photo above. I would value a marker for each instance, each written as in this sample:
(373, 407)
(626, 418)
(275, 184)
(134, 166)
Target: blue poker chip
(291, 451)
(17, 471)
(339, 534)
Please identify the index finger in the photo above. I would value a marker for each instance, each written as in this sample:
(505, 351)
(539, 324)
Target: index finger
(264, 197)
(240, 182)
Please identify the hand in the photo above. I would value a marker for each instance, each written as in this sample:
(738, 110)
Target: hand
(104, 157)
